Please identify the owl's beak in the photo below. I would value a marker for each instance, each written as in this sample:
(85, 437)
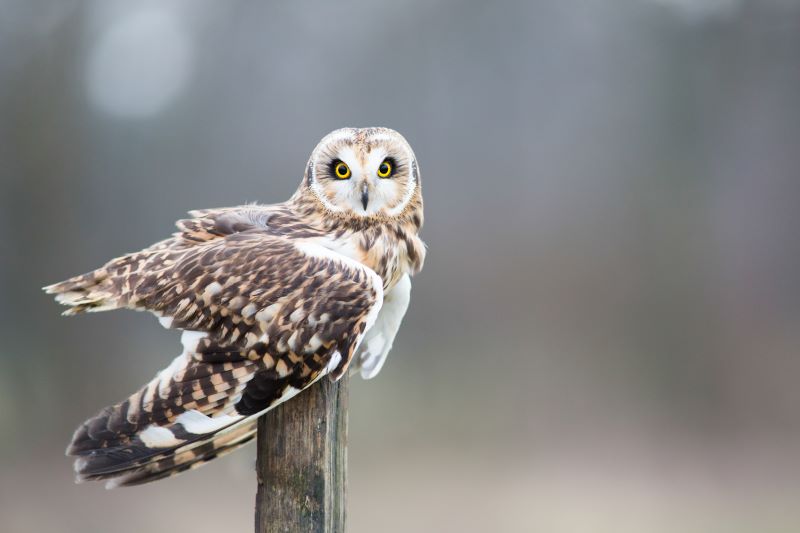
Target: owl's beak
(364, 195)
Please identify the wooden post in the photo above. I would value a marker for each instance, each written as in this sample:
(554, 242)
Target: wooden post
(302, 462)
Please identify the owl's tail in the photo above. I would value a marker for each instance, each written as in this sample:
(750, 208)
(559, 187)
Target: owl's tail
(186, 458)
(110, 447)
(136, 462)
(182, 418)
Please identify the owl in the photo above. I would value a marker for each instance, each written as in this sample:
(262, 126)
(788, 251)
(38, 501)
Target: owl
(269, 299)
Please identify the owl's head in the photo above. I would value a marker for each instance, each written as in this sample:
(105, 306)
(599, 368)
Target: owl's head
(363, 172)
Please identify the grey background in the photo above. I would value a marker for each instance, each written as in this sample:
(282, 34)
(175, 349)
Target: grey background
(605, 336)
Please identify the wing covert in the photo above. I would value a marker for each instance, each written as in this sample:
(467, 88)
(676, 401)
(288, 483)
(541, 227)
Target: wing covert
(249, 290)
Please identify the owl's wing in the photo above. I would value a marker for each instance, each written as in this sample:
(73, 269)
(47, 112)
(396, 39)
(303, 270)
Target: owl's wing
(264, 316)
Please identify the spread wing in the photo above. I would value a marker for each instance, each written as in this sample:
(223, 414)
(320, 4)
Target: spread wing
(264, 314)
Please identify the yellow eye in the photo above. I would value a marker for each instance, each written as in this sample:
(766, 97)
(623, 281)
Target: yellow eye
(385, 170)
(342, 170)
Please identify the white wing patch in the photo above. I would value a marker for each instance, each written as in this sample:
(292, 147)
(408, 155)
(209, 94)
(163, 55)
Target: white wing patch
(378, 339)
(196, 422)
(190, 339)
(158, 437)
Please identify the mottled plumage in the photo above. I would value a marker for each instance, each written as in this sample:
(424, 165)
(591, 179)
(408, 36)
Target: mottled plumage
(269, 298)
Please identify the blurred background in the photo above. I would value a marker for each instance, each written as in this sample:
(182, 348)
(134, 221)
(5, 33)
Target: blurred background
(606, 336)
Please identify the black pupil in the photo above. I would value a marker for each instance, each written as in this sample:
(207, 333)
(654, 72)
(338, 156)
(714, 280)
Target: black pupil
(341, 169)
(384, 168)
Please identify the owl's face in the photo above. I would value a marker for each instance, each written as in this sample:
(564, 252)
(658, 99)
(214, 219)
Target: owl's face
(364, 172)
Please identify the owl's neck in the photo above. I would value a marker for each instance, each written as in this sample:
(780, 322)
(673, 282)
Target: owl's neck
(389, 246)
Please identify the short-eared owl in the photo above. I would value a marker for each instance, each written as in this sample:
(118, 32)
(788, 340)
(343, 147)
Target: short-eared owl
(269, 298)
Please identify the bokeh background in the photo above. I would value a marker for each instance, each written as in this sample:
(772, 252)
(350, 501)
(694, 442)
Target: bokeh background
(606, 336)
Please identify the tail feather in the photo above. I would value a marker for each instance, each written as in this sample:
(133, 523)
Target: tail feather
(125, 463)
(171, 406)
(189, 459)
(186, 405)
(111, 447)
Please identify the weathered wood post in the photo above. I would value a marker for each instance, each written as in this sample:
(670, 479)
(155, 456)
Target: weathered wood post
(302, 462)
